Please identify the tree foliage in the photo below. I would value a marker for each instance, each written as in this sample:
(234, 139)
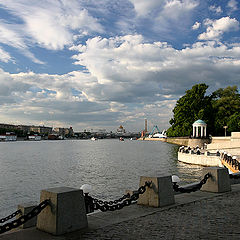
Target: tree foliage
(226, 103)
(219, 109)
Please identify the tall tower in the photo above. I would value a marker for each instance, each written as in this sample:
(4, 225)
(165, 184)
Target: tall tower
(145, 125)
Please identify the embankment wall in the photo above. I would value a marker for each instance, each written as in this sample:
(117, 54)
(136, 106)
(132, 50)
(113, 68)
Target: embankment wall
(191, 142)
(228, 144)
(203, 160)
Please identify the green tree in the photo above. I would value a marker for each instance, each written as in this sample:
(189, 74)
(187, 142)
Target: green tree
(192, 106)
(234, 123)
(226, 106)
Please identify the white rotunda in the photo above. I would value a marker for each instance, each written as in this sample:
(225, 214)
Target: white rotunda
(199, 129)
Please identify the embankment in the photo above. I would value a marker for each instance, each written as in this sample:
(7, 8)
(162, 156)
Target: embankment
(182, 141)
(185, 141)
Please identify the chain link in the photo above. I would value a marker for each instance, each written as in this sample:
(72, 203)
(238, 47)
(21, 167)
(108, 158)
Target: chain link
(10, 216)
(120, 203)
(234, 176)
(24, 218)
(95, 200)
(194, 188)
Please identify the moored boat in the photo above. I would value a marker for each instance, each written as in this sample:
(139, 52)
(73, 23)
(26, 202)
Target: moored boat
(34, 137)
(8, 137)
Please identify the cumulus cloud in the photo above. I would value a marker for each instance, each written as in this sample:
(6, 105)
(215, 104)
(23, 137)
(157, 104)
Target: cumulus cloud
(128, 68)
(196, 25)
(216, 28)
(126, 78)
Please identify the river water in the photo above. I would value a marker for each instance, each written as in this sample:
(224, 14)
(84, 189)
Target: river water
(110, 166)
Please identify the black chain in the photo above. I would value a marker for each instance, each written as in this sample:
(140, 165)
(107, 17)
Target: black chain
(10, 216)
(120, 203)
(24, 218)
(234, 176)
(194, 188)
(111, 202)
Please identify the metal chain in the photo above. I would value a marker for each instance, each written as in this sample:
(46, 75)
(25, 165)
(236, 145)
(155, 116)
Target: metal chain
(122, 202)
(10, 216)
(194, 188)
(24, 218)
(234, 176)
(95, 200)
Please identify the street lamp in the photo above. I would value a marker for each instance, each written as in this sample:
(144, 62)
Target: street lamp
(225, 127)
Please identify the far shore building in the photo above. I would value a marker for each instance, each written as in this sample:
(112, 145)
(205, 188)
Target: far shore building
(121, 129)
(41, 129)
(7, 126)
(24, 128)
(64, 131)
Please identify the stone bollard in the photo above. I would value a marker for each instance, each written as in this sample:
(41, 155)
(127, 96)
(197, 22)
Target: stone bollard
(66, 212)
(159, 194)
(207, 153)
(219, 182)
(26, 208)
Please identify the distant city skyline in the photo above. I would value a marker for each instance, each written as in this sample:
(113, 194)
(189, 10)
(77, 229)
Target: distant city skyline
(102, 64)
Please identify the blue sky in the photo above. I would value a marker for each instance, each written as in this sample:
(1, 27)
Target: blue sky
(98, 64)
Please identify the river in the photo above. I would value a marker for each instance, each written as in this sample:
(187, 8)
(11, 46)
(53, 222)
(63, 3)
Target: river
(109, 165)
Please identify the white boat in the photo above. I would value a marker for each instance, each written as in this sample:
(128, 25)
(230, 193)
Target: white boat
(159, 135)
(8, 137)
(93, 139)
(34, 137)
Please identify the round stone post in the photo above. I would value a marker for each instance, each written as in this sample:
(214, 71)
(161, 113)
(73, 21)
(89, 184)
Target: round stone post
(159, 194)
(66, 212)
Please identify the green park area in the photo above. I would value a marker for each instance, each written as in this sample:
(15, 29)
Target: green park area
(218, 109)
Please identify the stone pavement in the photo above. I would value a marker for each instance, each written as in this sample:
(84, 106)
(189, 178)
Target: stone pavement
(198, 215)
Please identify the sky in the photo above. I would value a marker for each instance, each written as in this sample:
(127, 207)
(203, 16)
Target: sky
(101, 64)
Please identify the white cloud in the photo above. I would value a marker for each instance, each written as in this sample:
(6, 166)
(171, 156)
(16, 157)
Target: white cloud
(196, 26)
(216, 28)
(143, 7)
(215, 9)
(50, 24)
(126, 79)
(5, 56)
(175, 16)
(178, 6)
(232, 4)
(11, 36)
(128, 68)
(53, 28)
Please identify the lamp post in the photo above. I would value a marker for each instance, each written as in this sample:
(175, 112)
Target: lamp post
(89, 204)
(225, 127)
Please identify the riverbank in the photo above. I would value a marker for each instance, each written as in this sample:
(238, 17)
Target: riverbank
(208, 156)
(181, 141)
(198, 215)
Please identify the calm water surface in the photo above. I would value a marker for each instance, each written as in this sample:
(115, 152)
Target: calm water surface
(110, 166)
